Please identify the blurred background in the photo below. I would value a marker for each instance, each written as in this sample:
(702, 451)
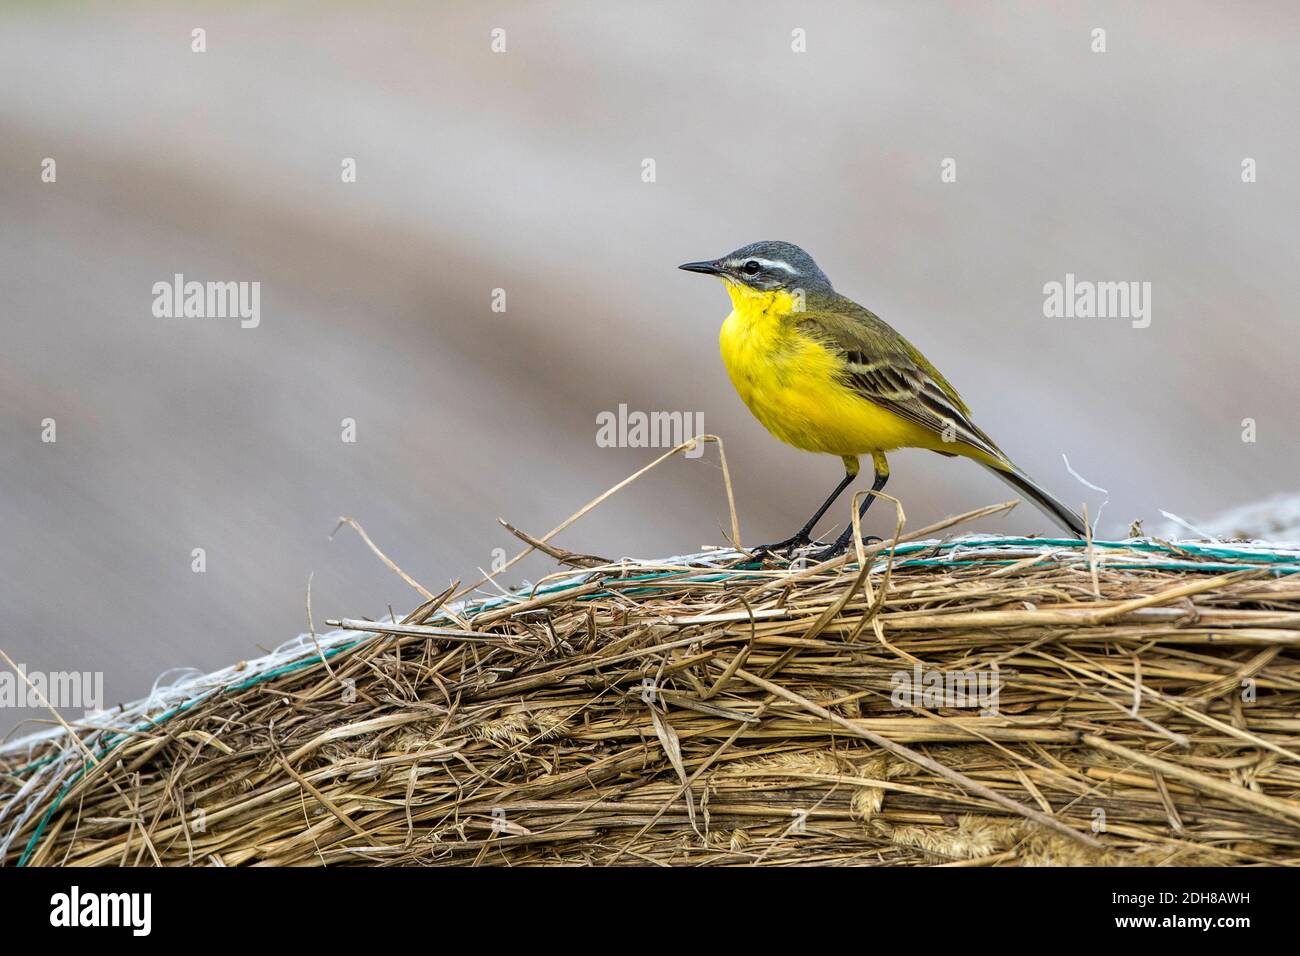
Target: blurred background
(523, 171)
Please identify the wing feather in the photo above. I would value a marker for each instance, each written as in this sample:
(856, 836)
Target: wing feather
(884, 368)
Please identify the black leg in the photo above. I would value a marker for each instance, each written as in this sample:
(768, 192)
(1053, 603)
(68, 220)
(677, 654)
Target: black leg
(842, 542)
(804, 534)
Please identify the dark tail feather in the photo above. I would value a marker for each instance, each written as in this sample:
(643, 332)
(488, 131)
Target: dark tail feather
(1058, 512)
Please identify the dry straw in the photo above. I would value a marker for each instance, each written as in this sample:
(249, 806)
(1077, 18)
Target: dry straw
(714, 711)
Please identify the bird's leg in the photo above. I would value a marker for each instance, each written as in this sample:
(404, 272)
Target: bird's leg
(804, 535)
(842, 542)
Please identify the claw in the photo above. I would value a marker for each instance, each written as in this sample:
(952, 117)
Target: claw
(784, 548)
(839, 547)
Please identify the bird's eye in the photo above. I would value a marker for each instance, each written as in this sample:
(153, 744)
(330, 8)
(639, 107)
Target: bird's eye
(750, 268)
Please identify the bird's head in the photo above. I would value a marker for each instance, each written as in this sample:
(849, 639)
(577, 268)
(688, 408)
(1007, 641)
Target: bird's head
(764, 268)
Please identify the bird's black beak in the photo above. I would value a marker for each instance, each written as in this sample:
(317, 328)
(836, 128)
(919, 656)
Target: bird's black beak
(707, 268)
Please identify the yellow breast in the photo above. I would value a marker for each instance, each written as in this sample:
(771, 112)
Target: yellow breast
(792, 383)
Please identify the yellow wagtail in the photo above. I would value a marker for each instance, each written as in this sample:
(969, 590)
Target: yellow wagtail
(826, 375)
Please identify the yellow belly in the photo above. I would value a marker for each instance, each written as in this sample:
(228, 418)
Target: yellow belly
(791, 385)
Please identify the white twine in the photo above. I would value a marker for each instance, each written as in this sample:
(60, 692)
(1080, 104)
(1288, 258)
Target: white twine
(1096, 522)
(1189, 526)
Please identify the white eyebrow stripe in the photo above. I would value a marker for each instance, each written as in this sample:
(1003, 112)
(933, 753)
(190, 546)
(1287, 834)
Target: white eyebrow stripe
(770, 264)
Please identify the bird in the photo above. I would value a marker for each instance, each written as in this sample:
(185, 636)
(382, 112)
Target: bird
(826, 375)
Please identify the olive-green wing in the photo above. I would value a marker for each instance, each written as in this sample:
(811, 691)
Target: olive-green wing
(884, 368)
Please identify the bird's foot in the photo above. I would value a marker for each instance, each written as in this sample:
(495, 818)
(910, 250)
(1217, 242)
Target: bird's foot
(783, 549)
(839, 547)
